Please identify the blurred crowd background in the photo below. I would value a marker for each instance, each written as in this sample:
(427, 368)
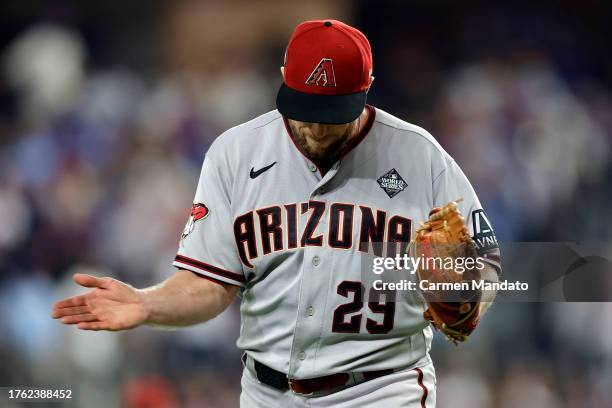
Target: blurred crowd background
(107, 109)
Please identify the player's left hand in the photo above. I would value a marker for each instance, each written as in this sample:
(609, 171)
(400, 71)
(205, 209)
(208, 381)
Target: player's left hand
(445, 235)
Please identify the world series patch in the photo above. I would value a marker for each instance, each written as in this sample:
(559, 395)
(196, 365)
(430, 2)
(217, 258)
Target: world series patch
(392, 183)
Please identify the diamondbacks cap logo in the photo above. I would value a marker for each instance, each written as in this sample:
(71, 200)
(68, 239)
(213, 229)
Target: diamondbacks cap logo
(392, 183)
(199, 211)
(323, 74)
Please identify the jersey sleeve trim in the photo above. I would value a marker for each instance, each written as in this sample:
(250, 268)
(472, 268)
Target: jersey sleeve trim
(181, 261)
(208, 278)
(492, 258)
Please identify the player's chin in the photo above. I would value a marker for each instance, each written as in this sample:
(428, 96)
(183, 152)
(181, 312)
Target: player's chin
(317, 137)
(313, 147)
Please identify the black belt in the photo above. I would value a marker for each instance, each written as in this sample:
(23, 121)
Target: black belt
(281, 382)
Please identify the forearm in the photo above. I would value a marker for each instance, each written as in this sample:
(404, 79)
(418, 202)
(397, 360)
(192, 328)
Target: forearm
(185, 299)
(489, 274)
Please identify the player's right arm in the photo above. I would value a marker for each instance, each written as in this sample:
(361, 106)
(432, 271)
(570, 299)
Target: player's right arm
(210, 272)
(183, 299)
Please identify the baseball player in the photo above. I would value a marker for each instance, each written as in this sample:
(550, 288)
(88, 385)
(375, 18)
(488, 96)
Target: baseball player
(288, 210)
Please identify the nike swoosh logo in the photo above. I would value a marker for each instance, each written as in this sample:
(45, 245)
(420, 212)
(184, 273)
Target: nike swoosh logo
(255, 174)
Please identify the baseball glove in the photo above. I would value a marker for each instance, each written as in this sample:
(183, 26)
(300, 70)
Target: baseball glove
(440, 242)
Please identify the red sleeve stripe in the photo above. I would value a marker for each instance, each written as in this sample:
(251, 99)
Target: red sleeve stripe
(207, 275)
(209, 278)
(209, 268)
(420, 381)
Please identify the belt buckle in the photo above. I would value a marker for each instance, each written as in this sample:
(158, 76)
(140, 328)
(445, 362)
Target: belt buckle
(290, 385)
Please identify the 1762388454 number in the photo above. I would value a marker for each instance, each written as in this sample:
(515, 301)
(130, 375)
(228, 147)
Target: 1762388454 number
(38, 394)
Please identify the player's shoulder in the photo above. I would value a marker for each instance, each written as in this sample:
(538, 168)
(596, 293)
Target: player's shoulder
(403, 132)
(245, 134)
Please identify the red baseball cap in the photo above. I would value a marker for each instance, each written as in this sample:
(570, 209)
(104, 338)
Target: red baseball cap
(328, 70)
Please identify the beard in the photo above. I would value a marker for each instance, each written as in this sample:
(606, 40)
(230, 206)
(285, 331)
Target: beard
(326, 149)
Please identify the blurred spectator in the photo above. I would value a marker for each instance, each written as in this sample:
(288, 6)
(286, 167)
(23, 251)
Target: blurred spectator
(45, 64)
(149, 392)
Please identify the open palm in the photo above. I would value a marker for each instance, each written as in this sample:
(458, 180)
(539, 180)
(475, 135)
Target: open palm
(110, 305)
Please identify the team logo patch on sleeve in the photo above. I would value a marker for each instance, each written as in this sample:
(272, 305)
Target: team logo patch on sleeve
(199, 211)
(392, 183)
(484, 236)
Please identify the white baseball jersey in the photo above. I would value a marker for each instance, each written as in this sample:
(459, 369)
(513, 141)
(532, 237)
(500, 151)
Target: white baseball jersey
(298, 241)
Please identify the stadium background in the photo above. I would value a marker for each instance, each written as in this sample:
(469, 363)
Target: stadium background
(107, 108)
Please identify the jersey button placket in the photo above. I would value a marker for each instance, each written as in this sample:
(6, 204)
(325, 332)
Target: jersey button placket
(308, 329)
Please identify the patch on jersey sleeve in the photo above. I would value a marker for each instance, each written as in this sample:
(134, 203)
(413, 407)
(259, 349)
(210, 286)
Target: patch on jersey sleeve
(199, 211)
(392, 183)
(484, 236)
